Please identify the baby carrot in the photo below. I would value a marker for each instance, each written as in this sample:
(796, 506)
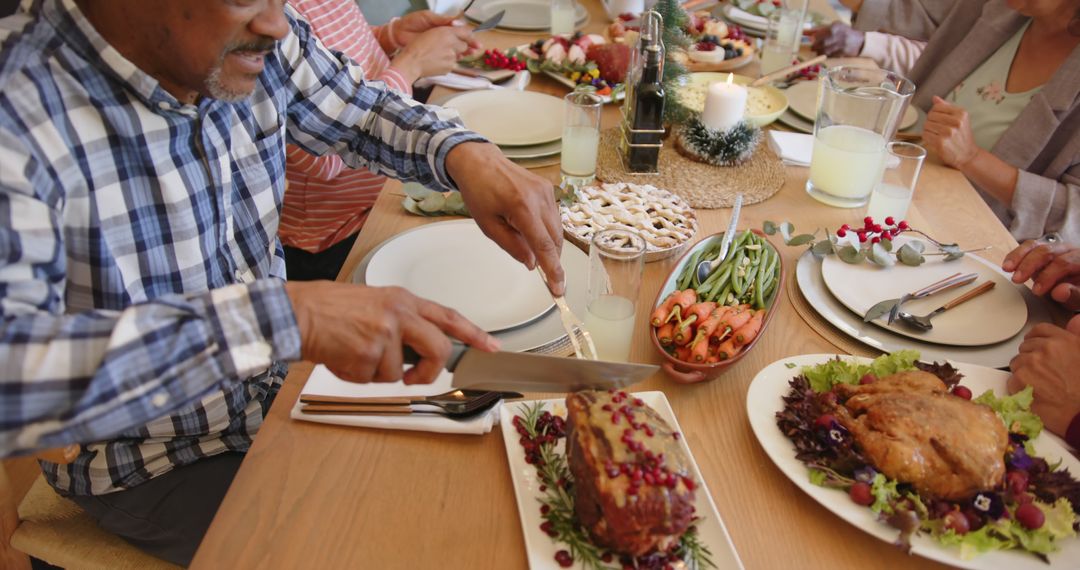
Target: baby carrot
(710, 323)
(699, 349)
(727, 349)
(682, 353)
(702, 309)
(666, 333)
(684, 332)
(737, 320)
(685, 298)
(660, 314)
(750, 330)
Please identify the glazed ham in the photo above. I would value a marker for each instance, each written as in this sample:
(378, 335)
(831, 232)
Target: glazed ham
(612, 60)
(633, 489)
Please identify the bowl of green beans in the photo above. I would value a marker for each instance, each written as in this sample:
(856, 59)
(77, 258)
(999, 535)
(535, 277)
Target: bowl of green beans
(703, 327)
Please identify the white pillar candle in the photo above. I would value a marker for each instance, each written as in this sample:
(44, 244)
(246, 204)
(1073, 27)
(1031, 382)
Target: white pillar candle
(725, 104)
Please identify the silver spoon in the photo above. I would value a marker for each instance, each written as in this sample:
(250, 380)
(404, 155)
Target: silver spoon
(705, 268)
(923, 323)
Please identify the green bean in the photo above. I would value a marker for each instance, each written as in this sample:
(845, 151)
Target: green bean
(736, 279)
(721, 299)
(689, 274)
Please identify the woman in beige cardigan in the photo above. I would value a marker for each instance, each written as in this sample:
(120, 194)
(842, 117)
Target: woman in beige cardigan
(1030, 171)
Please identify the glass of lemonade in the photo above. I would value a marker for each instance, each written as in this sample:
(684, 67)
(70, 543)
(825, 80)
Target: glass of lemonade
(616, 260)
(580, 139)
(858, 112)
(782, 38)
(892, 196)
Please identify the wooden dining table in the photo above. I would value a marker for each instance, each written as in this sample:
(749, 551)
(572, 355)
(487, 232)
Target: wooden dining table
(320, 496)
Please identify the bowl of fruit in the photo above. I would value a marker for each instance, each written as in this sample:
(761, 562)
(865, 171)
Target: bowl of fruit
(701, 327)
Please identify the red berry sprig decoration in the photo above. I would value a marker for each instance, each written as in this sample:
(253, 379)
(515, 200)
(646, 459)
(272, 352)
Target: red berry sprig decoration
(495, 59)
(869, 241)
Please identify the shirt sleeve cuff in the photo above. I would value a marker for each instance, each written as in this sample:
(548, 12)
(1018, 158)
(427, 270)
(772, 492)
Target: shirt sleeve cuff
(256, 324)
(396, 80)
(874, 46)
(1033, 199)
(443, 142)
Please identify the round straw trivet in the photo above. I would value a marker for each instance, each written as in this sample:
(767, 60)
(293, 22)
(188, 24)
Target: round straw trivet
(824, 328)
(702, 185)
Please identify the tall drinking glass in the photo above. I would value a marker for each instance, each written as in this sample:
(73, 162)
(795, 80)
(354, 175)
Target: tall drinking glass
(580, 139)
(892, 196)
(616, 259)
(858, 112)
(782, 37)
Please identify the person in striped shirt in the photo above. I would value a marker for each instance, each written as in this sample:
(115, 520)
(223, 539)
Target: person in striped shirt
(327, 202)
(143, 308)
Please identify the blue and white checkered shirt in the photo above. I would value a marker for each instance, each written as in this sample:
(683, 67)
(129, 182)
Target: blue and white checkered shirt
(140, 271)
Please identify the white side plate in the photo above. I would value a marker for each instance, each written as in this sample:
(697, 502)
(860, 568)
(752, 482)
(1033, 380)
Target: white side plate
(511, 118)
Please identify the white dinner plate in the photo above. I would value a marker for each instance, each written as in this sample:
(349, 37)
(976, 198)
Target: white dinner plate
(803, 100)
(763, 400)
(990, 318)
(524, 15)
(544, 335)
(455, 264)
(540, 548)
(532, 151)
(753, 21)
(510, 118)
(796, 122)
(812, 285)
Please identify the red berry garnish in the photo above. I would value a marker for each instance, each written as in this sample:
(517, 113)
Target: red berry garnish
(890, 221)
(876, 228)
(962, 391)
(957, 521)
(564, 559)
(1030, 516)
(861, 494)
(867, 378)
(868, 221)
(903, 225)
(875, 239)
(841, 232)
(845, 227)
(862, 238)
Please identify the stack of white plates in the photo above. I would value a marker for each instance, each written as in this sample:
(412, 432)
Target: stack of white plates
(752, 24)
(522, 15)
(526, 125)
(454, 264)
(802, 99)
(986, 330)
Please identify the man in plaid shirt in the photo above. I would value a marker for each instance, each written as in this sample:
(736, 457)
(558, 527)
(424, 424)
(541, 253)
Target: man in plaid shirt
(145, 314)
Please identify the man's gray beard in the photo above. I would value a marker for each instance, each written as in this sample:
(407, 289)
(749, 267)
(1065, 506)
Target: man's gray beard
(219, 91)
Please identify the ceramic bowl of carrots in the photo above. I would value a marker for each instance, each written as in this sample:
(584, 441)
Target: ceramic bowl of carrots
(702, 328)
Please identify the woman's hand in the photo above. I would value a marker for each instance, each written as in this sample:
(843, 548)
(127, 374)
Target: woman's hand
(837, 40)
(947, 133)
(1048, 360)
(434, 52)
(411, 25)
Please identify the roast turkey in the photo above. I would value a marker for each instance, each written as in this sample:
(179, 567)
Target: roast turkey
(913, 430)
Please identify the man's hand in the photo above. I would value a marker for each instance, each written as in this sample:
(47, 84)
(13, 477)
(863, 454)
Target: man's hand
(1054, 267)
(837, 40)
(358, 332)
(434, 52)
(514, 207)
(1048, 360)
(947, 132)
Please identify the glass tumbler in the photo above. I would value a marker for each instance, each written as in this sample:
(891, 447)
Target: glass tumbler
(782, 38)
(616, 260)
(858, 112)
(580, 139)
(892, 196)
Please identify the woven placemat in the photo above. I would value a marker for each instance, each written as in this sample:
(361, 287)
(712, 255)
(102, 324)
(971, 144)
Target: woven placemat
(824, 328)
(703, 185)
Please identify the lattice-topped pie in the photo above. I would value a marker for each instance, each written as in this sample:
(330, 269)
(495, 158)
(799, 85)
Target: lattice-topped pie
(664, 219)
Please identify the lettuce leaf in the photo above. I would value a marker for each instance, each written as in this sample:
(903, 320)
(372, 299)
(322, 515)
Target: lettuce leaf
(1008, 533)
(1015, 411)
(822, 377)
(884, 491)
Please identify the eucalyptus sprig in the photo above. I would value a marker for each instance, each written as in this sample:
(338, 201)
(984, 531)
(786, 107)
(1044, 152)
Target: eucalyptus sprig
(875, 243)
(427, 202)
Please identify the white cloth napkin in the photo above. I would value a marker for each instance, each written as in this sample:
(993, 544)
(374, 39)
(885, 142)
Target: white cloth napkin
(794, 149)
(465, 83)
(324, 383)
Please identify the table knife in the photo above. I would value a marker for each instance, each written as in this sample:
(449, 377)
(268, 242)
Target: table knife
(527, 372)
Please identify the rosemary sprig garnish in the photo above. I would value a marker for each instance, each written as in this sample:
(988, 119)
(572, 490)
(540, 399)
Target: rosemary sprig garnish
(555, 476)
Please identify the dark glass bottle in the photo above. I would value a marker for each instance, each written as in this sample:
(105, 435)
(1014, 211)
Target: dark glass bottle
(648, 113)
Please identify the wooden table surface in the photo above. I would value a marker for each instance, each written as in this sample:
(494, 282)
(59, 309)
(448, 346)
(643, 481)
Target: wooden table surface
(318, 496)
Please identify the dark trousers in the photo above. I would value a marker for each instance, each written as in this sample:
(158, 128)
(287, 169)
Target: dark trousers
(301, 265)
(167, 516)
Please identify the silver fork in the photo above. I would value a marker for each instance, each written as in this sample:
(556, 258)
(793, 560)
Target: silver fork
(575, 329)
